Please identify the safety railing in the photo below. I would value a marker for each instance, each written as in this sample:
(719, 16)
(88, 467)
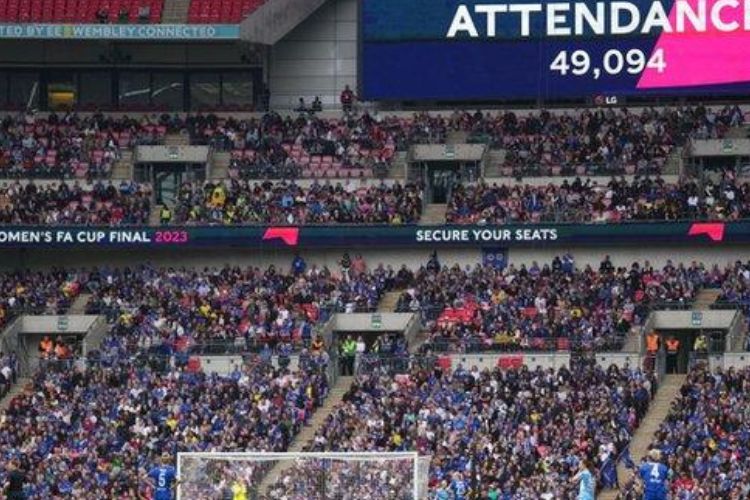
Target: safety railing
(392, 364)
(526, 344)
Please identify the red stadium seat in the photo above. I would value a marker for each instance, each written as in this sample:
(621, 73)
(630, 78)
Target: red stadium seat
(72, 11)
(221, 11)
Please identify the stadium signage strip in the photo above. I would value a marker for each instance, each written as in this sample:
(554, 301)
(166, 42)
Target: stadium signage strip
(635, 234)
(120, 31)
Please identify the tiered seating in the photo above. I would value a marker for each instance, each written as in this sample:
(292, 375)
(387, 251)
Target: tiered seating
(277, 147)
(586, 201)
(69, 146)
(319, 166)
(549, 307)
(221, 11)
(79, 11)
(239, 202)
(506, 434)
(53, 204)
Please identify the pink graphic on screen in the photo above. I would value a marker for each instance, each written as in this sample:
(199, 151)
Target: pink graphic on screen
(709, 58)
(289, 235)
(714, 230)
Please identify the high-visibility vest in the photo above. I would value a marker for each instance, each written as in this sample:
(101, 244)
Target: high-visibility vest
(700, 344)
(350, 347)
(652, 342)
(166, 214)
(673, 346)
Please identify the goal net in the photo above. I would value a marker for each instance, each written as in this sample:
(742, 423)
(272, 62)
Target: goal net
(303, 476)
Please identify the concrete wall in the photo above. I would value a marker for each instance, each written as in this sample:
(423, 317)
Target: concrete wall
(601, 180)
(362, 322)
(665, 320)
(411, 257)
(622, 256)
(218, 257)
(47, 324)
(718, 147)
(736, 360)
(269, 23)
(621, 360)
(87, 53)
(171, 154)
(226, 364)
(318, 58)
(490, 361)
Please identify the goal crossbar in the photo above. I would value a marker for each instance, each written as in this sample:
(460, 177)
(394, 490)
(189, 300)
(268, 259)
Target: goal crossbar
(261, 457)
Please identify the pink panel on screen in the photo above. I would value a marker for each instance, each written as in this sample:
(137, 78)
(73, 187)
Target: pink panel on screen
(693, 58)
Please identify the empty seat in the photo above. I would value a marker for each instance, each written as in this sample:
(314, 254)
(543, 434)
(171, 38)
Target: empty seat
(221, 11)
(77, 11)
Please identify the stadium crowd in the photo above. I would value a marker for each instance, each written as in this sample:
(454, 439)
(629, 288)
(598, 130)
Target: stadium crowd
(90, 433)
(549, 306)
(735, 290)
(52, 204)
(501, 433)
(643, 198)
(70, 145)
(50, 292)
(242, 202)
(705, 435)
(353, 202)
(231, 307)
(285, 147)
(608, 141)
(598, 142)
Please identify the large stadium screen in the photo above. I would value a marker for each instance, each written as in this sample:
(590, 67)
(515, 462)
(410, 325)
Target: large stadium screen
(480, 49)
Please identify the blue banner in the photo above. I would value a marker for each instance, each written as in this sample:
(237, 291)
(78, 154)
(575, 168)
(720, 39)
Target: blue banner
(495, 257)
(164, 32)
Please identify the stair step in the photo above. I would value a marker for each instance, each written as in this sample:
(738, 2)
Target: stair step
(335, 396)
(16, 389)
(79, 305)
(668, 390)
(705, 298)
(389, 301)
(176, 140)
(175, 11)
(433, 214)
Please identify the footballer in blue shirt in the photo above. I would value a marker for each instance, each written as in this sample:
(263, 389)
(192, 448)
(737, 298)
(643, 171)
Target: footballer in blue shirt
(654, 476)
(163, 477)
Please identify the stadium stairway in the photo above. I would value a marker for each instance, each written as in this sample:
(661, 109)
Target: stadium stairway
(388, 302)
(79, 305)
(741, 132)
(154, 218)
(175, 11)
(335, 396)
(668, 390)
(457, 137)
(123, 168)
(433, 214)
(674, 163)
(494, 163)
(21, 385)
(632, 341)
(176, 139)
(705, 298)
(220, 165)
(398, 166)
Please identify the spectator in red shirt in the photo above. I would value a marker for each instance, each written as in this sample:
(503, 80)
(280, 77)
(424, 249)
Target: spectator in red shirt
(347, 99)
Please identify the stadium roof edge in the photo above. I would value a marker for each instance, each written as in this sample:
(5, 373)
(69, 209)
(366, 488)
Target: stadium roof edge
(275, 19)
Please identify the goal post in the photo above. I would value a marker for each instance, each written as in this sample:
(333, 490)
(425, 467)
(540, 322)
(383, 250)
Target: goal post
(303, 476)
